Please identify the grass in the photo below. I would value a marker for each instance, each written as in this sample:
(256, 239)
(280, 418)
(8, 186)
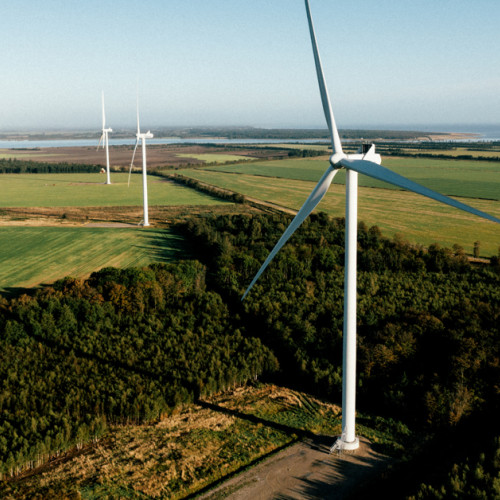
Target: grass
(419, 219)
(214, 158)
(467, 178)
(87, 190)
(194, 448)
(32, 255)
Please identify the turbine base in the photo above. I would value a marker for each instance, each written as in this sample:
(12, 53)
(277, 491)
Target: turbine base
(340, 445)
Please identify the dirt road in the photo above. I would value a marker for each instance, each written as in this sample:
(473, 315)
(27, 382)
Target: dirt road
(305, 470)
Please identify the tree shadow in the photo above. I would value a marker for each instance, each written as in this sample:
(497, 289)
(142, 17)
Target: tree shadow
(13, 292)
(165, 245)
(287, 429)
(329, 475)
(343, 476)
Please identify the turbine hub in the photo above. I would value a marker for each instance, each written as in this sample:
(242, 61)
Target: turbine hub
(336, 158)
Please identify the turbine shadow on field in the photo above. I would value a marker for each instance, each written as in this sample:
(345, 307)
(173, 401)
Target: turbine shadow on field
(319, 441)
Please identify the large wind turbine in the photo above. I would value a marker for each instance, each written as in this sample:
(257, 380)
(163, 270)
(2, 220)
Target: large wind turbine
(104, 140)
(367, 162)
(142, 137)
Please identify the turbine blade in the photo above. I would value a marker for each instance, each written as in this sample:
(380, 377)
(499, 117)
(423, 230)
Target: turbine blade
(100, 140)
(103, 113)
(325, 99)
(383, 174)
(132, 162)
(138, 128)
(310, 204)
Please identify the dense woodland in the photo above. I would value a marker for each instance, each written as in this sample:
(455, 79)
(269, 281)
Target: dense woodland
(131, 345)
(428, 349)
(123, 346)
(427, 320)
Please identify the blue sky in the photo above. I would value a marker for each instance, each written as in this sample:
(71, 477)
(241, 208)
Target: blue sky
(248, 62)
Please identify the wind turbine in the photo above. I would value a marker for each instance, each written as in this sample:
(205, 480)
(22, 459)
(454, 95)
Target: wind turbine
(104, 140)
(367, 162)
(142, 137)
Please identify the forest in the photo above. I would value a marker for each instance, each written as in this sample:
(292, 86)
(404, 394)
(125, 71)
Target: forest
(133, 344)
(123, 346)
(427, 319)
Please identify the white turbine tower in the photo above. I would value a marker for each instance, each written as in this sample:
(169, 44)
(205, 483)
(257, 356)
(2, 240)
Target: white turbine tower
(142, 138)
(104, 140)
(367, 162)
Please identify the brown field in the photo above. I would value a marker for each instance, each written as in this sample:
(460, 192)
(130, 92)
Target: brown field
(159, 216)
(120, 156)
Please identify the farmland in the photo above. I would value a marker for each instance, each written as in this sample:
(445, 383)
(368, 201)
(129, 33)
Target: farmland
(158, 154)
(214, 157)
(33, 255)
(289, 182)
(88, 190)
(467, 178)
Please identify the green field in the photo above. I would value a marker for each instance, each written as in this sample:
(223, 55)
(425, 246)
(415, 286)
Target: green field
(468, 178)
(33, 255)
(214, 158)
(87, 190)
(24, 155)
(419, 219)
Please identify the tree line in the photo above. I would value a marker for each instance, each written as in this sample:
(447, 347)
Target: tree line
(17, 166)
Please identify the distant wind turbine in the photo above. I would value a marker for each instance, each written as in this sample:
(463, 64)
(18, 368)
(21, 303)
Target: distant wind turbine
(104, 140)
(142, 137)
(367, 162)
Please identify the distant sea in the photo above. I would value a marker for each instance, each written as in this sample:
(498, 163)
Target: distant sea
(482, 133)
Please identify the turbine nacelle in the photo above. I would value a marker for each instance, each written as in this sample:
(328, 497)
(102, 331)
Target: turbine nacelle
(146, 135)
(365, 152)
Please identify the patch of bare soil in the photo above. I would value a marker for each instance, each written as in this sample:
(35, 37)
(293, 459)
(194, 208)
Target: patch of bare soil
(305, 470)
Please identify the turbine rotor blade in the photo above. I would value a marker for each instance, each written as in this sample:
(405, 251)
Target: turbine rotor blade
(310, 204)
(132, 162)
(381, 173)
(100, 140)
(138, 128)
(103, 113)
(325, 99)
